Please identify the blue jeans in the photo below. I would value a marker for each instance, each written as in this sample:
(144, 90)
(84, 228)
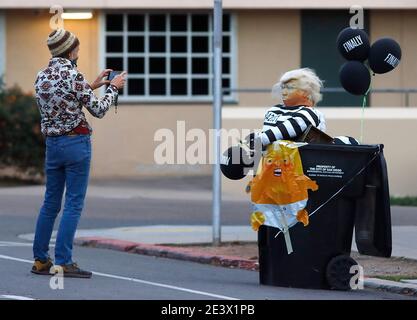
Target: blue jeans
(67, 164)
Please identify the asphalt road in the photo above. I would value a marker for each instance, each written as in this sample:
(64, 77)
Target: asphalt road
(113, 210)
(128, 276)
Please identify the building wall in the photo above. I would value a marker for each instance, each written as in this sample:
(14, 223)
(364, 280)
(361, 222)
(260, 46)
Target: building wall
(207, 4)
(123, 143)
(129, 134)
(27, 52)
(401, 26)
(2, 42)
(268, 44)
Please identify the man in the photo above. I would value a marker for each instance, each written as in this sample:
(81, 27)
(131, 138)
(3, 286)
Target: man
(61, 94)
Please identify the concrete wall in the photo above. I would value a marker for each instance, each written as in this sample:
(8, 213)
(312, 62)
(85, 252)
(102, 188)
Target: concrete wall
(124, 143)
(268, 44)
(27, 52)
(207, 4)
(2, 43)
(401, 26)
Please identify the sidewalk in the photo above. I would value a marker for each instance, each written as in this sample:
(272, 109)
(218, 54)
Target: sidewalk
(404, 238)
(165, 234)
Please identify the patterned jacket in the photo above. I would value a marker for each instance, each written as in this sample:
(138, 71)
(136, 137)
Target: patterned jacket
(62, 92)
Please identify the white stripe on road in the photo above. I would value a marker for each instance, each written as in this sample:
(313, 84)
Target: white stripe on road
(15, 297)
(165, 286)
(156, 284)
(14, 259)
(14, 244)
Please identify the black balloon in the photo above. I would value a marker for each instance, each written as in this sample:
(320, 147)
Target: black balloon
(355, 77)
(384, 55)
(353, 44)
(235, 163)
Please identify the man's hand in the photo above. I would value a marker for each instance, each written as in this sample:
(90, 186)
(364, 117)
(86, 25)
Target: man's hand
(119, 80)
(99, 81)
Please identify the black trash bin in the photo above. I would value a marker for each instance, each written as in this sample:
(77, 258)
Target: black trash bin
(353, 192)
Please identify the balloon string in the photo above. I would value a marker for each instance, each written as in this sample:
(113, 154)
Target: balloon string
(363, 110)
(362, 117)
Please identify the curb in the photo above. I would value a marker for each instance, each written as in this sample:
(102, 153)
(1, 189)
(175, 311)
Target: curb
(391, 286)
(187, 254)
(193, 255)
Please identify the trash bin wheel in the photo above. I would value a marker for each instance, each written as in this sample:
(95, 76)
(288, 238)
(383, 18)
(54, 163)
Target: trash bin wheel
(338, 272)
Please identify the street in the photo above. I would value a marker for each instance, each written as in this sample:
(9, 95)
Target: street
(130, 276)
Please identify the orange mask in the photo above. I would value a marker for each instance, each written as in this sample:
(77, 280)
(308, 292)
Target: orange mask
(297, 98)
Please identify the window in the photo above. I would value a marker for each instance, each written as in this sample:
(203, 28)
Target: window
(326, 25)
(167, 56)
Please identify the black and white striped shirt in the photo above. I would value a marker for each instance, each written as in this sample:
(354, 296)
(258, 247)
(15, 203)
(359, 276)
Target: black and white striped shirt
(287, 123)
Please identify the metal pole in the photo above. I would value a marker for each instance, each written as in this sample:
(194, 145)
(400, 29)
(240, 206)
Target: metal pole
(217, 115)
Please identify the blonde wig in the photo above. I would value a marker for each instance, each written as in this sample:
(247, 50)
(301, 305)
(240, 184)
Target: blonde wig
(304, 79)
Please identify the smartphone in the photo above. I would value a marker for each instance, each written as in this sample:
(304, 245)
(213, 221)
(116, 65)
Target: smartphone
(112, 74)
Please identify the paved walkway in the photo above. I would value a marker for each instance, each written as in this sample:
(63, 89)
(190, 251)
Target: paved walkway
(164, 234)
(404, 238)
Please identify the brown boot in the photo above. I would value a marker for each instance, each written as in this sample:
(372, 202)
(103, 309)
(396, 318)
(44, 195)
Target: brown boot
(42, 267)
(72, 271)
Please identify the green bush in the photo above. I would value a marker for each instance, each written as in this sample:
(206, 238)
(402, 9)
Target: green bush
(404, 201)
(22, 145)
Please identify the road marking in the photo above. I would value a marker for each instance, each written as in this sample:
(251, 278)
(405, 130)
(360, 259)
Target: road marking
(156, 284)
(5, 296)
(14, 244)
(15, 259)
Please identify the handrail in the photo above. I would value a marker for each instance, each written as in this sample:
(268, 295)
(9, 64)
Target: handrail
(406, 91)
